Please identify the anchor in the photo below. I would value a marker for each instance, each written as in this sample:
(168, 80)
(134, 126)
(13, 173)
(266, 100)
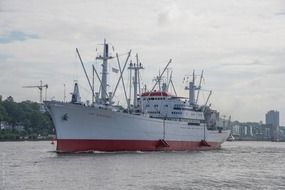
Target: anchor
(204, 143)
(162, 143)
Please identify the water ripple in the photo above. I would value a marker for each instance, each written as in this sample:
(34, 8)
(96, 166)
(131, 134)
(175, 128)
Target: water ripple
(237, 165)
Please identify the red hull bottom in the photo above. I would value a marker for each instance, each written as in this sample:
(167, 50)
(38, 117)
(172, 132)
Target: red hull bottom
(74, 145)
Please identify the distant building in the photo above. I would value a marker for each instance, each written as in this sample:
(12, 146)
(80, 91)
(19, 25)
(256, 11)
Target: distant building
(266, 133)
(282, 133)
(272, 118)
(257, 131)
(5, 125)
(236, 130)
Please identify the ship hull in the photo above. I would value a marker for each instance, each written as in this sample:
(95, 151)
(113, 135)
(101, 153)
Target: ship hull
(75, 145)
(82, 129)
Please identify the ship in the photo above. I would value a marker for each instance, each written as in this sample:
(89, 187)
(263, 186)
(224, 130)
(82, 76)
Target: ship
(152, 120)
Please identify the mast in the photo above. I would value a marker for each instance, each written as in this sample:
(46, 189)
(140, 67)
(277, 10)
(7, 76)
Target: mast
(191, 89)
(199, 87)
(104, 83)
(139, 82)
(130, 85)
(104, 71)
(93, 86)
(136, 67)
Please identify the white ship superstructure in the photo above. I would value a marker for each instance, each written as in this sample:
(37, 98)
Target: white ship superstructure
(155, 120)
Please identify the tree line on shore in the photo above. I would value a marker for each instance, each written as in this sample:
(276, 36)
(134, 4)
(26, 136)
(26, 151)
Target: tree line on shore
(23, 120)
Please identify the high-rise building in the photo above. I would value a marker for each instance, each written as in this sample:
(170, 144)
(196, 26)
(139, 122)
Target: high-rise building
(272, 119)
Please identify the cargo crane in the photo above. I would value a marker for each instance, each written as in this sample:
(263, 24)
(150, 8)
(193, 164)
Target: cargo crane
(40, 87)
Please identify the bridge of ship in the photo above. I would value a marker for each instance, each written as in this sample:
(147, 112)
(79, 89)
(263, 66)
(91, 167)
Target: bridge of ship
(161, 104)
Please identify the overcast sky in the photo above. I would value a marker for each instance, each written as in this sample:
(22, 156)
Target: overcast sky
(240, 44)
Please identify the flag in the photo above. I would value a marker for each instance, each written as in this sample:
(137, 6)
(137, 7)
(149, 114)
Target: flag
(115, 70)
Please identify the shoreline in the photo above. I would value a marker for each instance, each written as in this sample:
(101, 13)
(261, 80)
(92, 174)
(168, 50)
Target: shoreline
(21, 140)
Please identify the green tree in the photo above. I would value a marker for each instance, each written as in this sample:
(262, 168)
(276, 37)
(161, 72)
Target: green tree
(3, 113)
(27, 114)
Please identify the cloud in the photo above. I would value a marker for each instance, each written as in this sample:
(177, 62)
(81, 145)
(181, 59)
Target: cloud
(4, 57)
(240, 46)
(16, 36)
(169, 14)
(245, 64)
(280, 13)
(277, 71)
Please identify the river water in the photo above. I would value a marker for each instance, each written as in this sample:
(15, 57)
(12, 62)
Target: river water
(237, 165)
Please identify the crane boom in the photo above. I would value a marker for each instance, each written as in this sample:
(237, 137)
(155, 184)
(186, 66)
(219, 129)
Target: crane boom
(40, 87)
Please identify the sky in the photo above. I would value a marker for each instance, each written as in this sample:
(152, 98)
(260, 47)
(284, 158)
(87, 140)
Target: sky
(239, 44)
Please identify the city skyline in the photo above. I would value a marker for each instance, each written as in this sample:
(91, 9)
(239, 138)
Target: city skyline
(238, 44)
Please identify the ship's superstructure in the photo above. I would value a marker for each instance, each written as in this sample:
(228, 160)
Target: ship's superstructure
(154, 120)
